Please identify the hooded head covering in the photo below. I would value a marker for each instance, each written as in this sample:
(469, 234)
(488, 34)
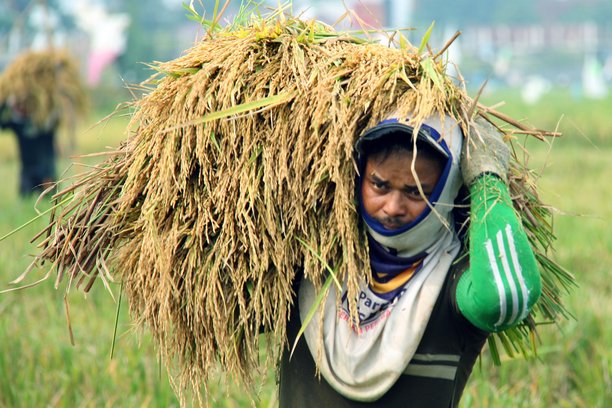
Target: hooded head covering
(444, 135)
(362, 360)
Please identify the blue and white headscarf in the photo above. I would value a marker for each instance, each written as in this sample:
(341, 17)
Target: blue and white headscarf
(414, 238)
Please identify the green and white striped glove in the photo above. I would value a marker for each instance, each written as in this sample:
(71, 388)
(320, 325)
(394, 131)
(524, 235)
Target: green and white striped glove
(503, 281)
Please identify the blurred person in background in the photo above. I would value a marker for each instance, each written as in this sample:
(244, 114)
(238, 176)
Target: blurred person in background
(36, 145)
(40, 91)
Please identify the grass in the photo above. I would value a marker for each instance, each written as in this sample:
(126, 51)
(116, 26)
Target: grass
(40, 367)
(582, 121)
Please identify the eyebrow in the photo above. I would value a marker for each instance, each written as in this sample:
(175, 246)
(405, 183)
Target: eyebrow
(407, 187)
(375, 177)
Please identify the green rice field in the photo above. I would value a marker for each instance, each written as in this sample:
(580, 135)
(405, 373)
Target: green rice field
(40, 366)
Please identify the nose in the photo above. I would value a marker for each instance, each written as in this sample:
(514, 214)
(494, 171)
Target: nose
(395, 205)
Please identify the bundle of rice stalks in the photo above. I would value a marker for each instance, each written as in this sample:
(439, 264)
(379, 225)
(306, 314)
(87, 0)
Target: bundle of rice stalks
(238, 170)
(44, 85)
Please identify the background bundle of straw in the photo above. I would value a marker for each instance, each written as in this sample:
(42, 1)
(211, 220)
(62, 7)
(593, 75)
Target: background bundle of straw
(44, 85)
(238, 170)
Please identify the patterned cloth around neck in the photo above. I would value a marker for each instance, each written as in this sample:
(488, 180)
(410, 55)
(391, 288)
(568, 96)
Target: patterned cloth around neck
(390, 272)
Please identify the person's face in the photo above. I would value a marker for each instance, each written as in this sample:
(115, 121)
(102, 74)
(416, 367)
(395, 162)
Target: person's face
(389, 191)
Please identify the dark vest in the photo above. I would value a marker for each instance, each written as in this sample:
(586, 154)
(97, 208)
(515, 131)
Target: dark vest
(435, 377)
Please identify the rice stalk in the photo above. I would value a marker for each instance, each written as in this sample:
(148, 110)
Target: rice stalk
(238, 170)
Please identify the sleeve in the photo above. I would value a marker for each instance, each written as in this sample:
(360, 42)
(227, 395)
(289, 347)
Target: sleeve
(503, 281)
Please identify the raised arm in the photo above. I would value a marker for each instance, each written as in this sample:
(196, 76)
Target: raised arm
(503, 282)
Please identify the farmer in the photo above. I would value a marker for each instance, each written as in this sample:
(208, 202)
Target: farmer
(426, 312)
(36, 144)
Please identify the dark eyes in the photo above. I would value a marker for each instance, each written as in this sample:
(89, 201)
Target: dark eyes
(414, 194)
(410, 192)
(379, 185)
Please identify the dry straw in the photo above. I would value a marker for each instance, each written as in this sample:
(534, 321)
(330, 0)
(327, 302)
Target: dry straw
(238, 171)
(44, 85)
